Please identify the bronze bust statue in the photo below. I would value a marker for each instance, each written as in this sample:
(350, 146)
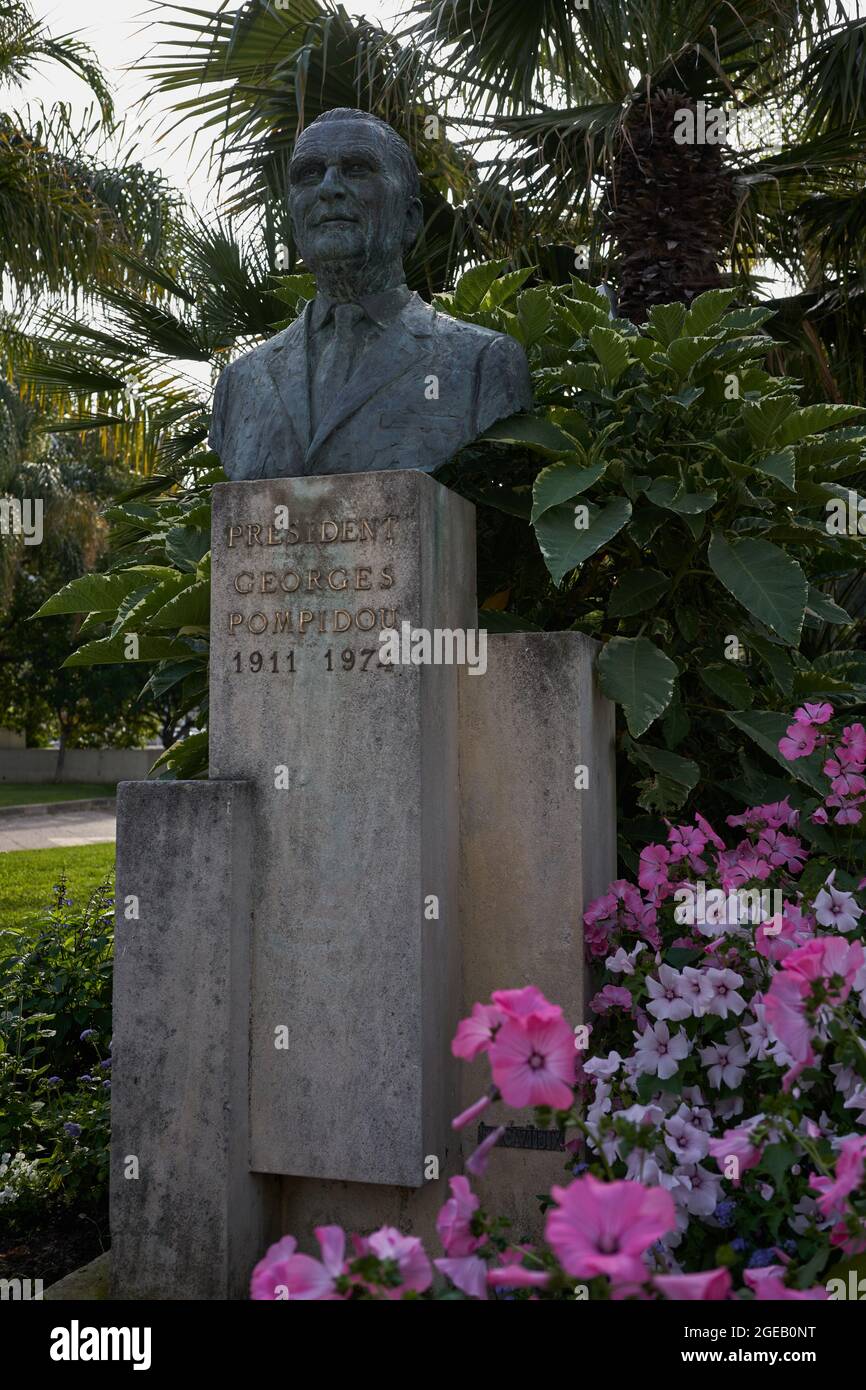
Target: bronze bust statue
(369, 376)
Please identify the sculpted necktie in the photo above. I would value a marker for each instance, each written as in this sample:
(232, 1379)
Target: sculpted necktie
(338, 358)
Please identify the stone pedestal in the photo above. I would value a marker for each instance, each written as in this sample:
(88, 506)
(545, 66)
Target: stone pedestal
(376, 849)
(537, 843)
(355, 813)
(188, 1218)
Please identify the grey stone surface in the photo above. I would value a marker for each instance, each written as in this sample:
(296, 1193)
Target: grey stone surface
(534, 852)
(344, 855)
(89, 1283)
(406, 387)
(194, 1220)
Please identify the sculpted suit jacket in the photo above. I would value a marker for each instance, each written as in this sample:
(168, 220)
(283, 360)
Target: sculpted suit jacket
(384, 417)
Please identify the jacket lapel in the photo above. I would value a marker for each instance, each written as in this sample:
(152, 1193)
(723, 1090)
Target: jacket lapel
(399, 348)
(288, 367)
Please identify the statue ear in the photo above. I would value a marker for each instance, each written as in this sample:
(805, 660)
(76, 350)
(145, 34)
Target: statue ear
(414, 222)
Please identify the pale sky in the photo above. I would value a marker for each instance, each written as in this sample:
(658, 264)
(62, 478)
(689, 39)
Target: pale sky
(122, 33)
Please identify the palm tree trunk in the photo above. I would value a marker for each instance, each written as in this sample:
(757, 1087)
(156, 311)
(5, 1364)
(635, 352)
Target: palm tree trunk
(670, 206)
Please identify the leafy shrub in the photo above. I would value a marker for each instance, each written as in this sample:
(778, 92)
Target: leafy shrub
(55, 1063)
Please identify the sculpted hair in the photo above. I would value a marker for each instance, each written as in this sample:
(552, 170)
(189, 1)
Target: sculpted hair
(396, 144)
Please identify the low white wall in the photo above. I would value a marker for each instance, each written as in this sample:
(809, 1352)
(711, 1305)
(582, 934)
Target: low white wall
(79, 765)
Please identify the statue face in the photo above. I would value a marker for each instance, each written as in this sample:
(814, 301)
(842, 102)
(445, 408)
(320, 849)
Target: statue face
(347, 199)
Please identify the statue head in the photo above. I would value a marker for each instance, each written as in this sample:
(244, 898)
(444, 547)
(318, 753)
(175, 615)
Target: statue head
(354, 202)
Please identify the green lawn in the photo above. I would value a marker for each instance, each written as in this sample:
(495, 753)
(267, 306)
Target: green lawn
(27, 877)
(28, 793)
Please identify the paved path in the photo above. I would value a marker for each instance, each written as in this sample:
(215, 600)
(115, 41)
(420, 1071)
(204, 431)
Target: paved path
(57, 831)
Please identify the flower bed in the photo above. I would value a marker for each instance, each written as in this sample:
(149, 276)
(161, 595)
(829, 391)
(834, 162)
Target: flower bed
(714, 1111)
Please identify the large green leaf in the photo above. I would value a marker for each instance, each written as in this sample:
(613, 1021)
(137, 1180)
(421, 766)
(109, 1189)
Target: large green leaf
(685, 353)
(763, 419)
(189, 608)
(612, 352)
(98, 592)
(635, 674)
(185, 546)
(811, 419)
(766, 581)
(112, 651)
(820, 606)
(531, 431)
(473, 286)
(781, 465)
(665, 763)
(564, 545)
(706, 310)
(559, 482)
(635, 591)
(731, 684)
(665, 322)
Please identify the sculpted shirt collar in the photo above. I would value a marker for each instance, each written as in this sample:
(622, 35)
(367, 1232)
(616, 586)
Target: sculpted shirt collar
(380, 308)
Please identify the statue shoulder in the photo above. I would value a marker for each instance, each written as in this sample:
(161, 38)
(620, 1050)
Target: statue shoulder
(252, 362)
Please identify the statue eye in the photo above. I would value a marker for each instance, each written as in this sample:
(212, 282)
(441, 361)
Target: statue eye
(308, 173)
(357, 166)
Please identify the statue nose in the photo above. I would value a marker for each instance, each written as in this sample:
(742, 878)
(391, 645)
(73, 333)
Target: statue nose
(332, 185)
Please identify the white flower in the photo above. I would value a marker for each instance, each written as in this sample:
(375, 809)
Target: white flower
(760, 1042)
(603, 1066)
(658, 1053)
(704, 1190)
(667, 995)
(600, 1106)
(622, 961)
(857, 1101)
(834, 908)
(726, 1062)
(697, 989)
(686, 1143)
(724, 984)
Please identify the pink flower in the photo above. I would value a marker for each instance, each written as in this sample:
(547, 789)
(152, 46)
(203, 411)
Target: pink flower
(454, 1222)
(799, 742)
(785, 1013)
(768, 1284)
(826, 957)
(471, 1113)
(654, 861)
(782, 934)
(849, 1176)
(611, 997)
(854, 743)
(476, 1033)
(713, 1285)
(605, 1227)
(467, 1273)
(781, 850)
(524, 1005)
(284, 1274)
(533, 1061)
(739, 1145)
(516, 1277)
(813, 714)
(407, 1253)
(687, 842)
(476, 1163)
(706, 829)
